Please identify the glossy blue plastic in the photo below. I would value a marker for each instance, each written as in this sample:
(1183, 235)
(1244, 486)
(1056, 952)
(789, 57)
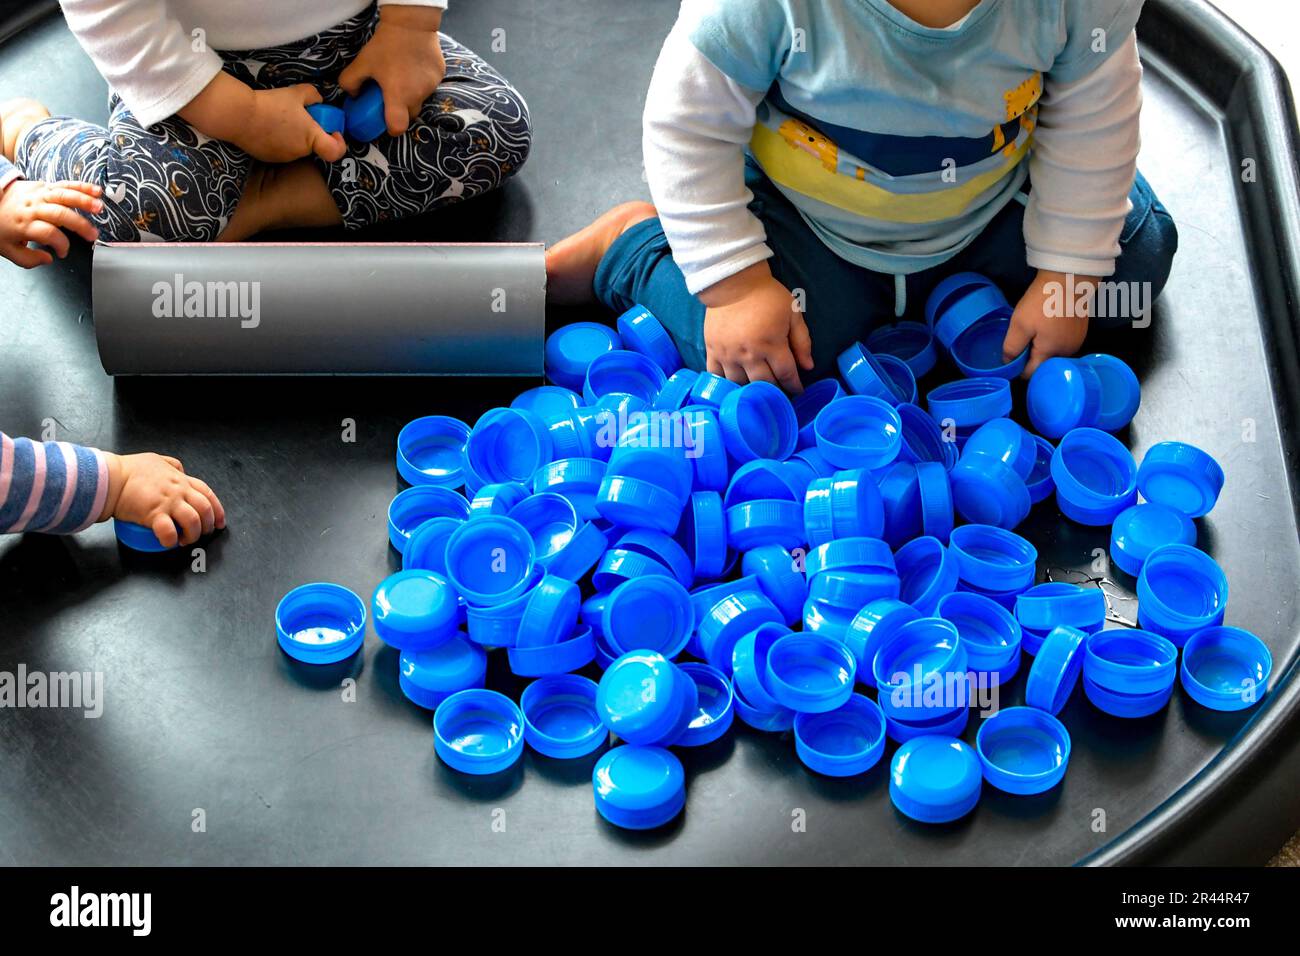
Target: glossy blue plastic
(577, 479)
(807, 406)
(749, 666)
(1120, 393)
(950, 723)
(762, 479)
(871, 628)
(935, 494)
(576, 432)
(1045, 607)
(716, 711)
(618, 565)
(969, 403)
(923, 439)
(551, 520)
(810, 674)
(1125, 705)
(329, 118)
(852, 590)
(645, 453)
(935, 779)
(1039, 483)
(497, 498)
(843, 742)
(648, 613)
(575, 652)
(498, 625)
(859, 431)
(581, 554)
(963, 313)
(560, 718)
(1023, 750)
(634, 503)
(429, 677)
(639, 788)
(662, 548)
(1226, 668)
(364, 114)
(431, 451)
(710, 390)
(910, 342)
(707, 452)
(900, 495)
(478, 732)
(1063, 394)
(926, 572)
(137, 537)
(918, 654)
(415, 610)
(768, 521)
(702, 533)
(320, 623)
(646, 699)
(1141, 529)
(676, 393)
(780, 578)
(1133, 662)
(642, 332)
(1181, 477)
(813, 460)
(490, 560)
(426, 549)
(1056, 669)
(1095, 476)
(864, 375)
(901, 381)
(550, 403)
(413, 507)
(1181, 591)
(1005, 440)
(758, 421)
(622, 372)
(849, 554)
(989, 632)
(508, 444)
(847, 505)
(986, 490)
(570, 349)
(551, 613)
(768, 721)
(993, 558)
(950, 290)
(977, 353)
(733, 614)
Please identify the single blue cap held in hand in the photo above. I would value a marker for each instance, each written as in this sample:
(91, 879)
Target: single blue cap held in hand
(844, 742)
(320, 623)
(364, 114)
(1054, 604)
(871, 628)
(1095, 477)
(1226, 668)
(1133, 662)
(910, 342)
(646, 699)
(490, 560)
(986, 490)
(716, 710)
(560, 718)
(574, 652)
(1023, 750)
(935, 779)
(415, 610)
(551, 613)
(648, 613)
(758, 421)
(639, 788)
(969, 403)
(137, 537)
(426, 549)
(1181, 591)
(431, 451)
(1120, 393)
(926, 572)
(570, 349)
(429, 677)
(1056, 669)
(935, 492)
(859, 431)
(1063, 395)
(807, 406)
(478, 732)
(809, 673)
(1181, 477)
(993, 558)
(623, 372)
(642, 332)
(1141, 529)
(508, 444)
(923, 439)
(329, 118)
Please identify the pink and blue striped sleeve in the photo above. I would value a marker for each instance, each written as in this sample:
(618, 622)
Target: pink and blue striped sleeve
(54, 487)
(8, 173)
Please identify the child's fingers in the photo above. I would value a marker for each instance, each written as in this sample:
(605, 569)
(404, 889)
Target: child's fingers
(1017, 340)
(350, 79)
(64, 196)
(26, 258)
(90, 189)
(218, 511)
(757, 370)
(68, 219)
(174, 462)
(786, 371)
(330, 147)
(164, 529)
(397, 118)
(734, 372)
(48, 235)
(199, 502)
(801, 341)
(188, 520)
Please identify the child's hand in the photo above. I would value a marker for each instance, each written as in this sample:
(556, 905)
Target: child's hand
(405, 58)
(38, 212)
(154, 491)
(754, 331)
(1036, 319)
(270, 125)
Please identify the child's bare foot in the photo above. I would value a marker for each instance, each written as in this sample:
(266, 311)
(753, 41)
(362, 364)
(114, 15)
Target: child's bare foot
(289, 196)
(571, 263)
(16, 117)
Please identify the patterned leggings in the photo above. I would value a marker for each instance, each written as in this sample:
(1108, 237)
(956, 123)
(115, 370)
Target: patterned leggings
(171, 183)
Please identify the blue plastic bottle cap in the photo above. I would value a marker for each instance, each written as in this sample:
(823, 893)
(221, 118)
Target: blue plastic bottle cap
(716, 710)
(864, 375)
(768, 721)
(676, 392)
(551, 613)
(648, 613)
(1120, 393)
(899, 378)
(426, 549)
(413, 507)
(633, 503)
(780, 578)
(622, 372)
(1040, 482)
(702, 532)
(431, 451)
(320, 623)
(576, 651)
(490, 560)
(733, 615)
(430, 676)
(969, 311)
(1131, 662)
(859, 432)
(550, 403)
(497, 498)
(662, 548)
(810, 674)
(329, 118)
(1181, 591)
(571, 348)
(478, 731)
(1181, 477)
(364, 114)
(707, 451)
(807, 406)
(1095, 476)
(577, 479)
(757, 523)
(814, 461)
(977, 351)
(993, 558)
(969, 403)
(560, 718)
(758, 421)
(415, 610)
(645, 699)
(923, 439)
(552, 521)
(710, 390)
(951, 289)
(760, 479)
(749, 666)
(1125, 705)
(1226, 668)
(918, 651)
(900, 495)
(574, 434)
(137, 537)
(828, 620)
(843, 742)
(508, 444)
(1023, 750)
(1063, 395)
(818, 513)
(988, 631)
(1061, 604)
(619, 565)
(1005, 440)
(643, 453)
(1141, 529)
(987, 491)
(498, 625)
(935, 779)
(642, 332)
(936, 500)
(639, 788)
(852, 590)
(950, 723)
(849, 554)
(910, 342)
(869, 630)
(926, 572)
(1056, 669)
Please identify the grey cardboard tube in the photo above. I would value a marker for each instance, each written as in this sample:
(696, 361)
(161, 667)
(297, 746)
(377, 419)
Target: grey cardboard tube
(319, 309)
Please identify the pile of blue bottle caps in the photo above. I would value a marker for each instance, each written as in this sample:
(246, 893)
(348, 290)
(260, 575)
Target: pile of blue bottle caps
(664, 552)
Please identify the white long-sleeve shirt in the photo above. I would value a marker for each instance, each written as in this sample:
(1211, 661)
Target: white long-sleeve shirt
(1080, 137)
(152, 53)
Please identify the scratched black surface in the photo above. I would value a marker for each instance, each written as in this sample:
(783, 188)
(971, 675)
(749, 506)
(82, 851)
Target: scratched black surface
(203, 711)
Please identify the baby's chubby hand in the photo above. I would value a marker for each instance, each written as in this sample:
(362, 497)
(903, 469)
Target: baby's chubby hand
(39, 212)
(154, 491)
(1048, 319)
(405, 58)
(754, 330)
(270, 125)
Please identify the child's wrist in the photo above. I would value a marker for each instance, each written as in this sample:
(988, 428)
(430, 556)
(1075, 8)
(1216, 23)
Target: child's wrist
(116, 479)
(411, 16)
(735, 287)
